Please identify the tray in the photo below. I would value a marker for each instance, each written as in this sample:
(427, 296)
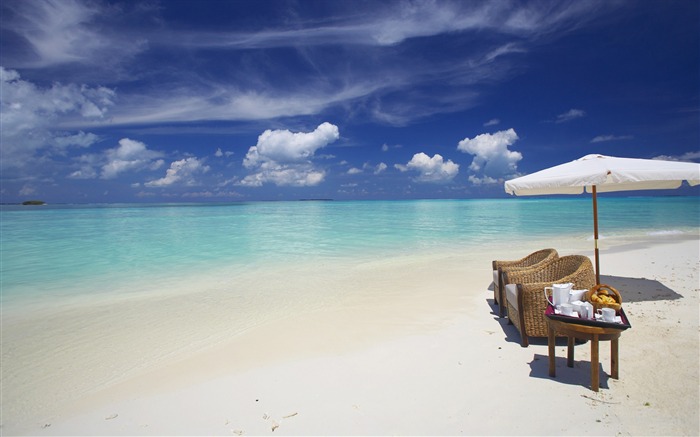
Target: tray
(549, 312)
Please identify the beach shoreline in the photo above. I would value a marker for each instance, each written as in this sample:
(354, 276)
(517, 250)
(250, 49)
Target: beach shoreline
(396, 362)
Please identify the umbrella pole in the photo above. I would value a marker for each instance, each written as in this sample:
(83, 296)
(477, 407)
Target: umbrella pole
(595, 233)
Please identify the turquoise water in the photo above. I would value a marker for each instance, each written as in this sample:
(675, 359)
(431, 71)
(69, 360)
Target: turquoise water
(56, 249)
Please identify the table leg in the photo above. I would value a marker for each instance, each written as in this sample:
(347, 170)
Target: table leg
(595, 376)
(570, 351)
(550, 344)
(614, 360)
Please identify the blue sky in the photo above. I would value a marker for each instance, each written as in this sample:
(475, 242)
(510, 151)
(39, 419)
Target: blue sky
(190, 101)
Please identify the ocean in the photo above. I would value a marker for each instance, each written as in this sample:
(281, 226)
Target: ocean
(72, 251)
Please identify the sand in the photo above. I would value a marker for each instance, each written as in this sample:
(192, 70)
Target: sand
(419, 350)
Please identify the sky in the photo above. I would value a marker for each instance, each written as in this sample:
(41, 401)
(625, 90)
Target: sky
(213, 100)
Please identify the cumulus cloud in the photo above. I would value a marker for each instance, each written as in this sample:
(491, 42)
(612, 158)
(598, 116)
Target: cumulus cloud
(569, 115)
(220, 153)
(283, 157)
(604, 138)
(486, 180)
(492, 159)
(285, 146)
(182, 171)
(375, 169)
(29, 116)
(130, 155)
(433, 169)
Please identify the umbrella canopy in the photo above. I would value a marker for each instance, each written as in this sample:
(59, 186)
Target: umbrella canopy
(599, 173)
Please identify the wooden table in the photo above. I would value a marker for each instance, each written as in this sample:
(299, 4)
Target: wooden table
(594, 334)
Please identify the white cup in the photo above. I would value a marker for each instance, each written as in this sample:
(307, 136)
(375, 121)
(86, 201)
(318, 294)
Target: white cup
(587, 310)
(566, 309)
(608, 314)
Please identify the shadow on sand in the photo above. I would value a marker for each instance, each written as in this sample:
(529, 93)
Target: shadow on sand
(639, 289)
(580, 374)
(511, 332)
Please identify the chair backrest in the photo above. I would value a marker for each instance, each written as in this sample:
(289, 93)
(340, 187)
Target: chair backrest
(541, 255)
(530, 260)
(570, 268)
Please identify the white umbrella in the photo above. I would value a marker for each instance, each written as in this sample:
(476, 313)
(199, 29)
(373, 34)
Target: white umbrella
(598, 173)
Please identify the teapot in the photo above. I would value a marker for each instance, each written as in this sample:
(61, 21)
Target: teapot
(560, 293)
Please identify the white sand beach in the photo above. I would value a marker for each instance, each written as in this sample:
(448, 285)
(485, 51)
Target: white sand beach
(418, 351)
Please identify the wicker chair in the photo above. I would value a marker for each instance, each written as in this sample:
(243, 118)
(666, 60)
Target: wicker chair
(535, 259)
(524, 291)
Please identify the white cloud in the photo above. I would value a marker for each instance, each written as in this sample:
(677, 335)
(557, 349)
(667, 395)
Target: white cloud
(81, 139)
(486, 180)
(287, 147)
(604, 138)
(285, 158)
(395, 22)
(67, 31)
(387, 147)
(303, 175)
(492, 122)
(210, 194)
(569, 115)
(27, 190)
(491, 155)
(219, 153)
(100, 35)
(198, 102)
(55, 29)
(30, 114)
(433, 169)
(85, 172)
(375, 169)
(686, 157)
(182, 171)
(130, 155)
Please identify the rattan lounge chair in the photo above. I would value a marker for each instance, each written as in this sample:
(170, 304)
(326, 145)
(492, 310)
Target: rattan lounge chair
(524, 291)
(535, 259)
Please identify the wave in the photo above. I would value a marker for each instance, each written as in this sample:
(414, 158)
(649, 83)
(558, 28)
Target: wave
(665, 232)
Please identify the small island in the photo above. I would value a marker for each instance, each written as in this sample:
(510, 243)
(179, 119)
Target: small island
(33, 202)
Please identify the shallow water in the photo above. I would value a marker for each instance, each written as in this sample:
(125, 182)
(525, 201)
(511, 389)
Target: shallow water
(80, 250)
